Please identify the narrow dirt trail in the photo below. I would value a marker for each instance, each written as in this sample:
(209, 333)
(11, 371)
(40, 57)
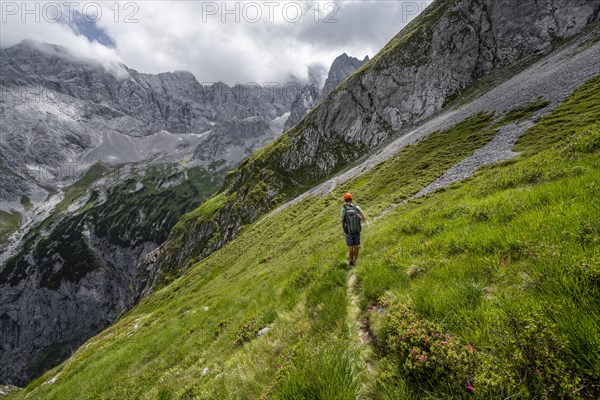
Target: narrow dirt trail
(498, 149)
(361, 327)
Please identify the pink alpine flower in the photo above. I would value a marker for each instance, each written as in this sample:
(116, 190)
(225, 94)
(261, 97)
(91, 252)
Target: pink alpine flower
(470, 387)
(470, 348)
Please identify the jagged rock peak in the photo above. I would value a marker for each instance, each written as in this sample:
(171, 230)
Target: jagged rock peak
(341, 68)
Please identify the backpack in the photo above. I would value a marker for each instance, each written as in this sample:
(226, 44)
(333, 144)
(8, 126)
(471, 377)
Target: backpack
(352, 220)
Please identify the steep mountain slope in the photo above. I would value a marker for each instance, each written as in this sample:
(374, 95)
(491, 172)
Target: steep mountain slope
(75, 271)
(308, 98)
(452, 298)
(426, 66)
(341, 68)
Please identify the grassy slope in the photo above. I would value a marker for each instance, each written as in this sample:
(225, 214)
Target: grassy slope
(9, 222)
(515, 246)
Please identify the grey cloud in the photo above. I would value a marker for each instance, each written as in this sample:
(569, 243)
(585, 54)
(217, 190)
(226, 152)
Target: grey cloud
(172, 35)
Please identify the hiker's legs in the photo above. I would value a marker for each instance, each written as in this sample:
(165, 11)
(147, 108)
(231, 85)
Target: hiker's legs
(352, 255)
(354, 252)
(356, 246)
(353, 242)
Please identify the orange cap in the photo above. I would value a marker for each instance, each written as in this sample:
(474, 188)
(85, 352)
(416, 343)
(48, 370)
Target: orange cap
(347, 196)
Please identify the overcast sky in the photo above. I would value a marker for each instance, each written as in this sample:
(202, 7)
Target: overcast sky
(234, 41)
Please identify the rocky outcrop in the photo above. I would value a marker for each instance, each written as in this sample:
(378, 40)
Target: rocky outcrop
(44, 322)
(307, 99)
(232, 141)
(431, 62)
(341, 68)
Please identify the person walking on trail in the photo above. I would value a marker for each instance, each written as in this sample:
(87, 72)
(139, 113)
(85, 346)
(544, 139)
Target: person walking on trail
(351, 217)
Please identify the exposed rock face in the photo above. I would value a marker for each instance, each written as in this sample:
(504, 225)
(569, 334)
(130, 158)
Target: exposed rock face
(233, 141)
(78, 270)
(41, 326)
(432, 61)
(341, 68)
(308, 98)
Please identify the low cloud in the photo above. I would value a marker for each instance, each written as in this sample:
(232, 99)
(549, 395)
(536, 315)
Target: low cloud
(254, 41)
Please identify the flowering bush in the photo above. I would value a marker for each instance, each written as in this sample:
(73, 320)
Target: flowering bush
(536, 355)
(529, 361)
(246, 332)
(425, 354)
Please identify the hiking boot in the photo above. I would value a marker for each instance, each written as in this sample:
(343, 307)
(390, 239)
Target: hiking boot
(351, 263)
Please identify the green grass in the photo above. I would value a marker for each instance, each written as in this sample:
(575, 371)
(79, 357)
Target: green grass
(9, 222)
(417, 165)
(582, 110)
(508, 261)
(522, 113)
(26, 202)
(79, 188)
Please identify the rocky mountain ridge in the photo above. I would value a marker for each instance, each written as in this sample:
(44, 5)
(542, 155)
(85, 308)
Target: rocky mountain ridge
(57, 110)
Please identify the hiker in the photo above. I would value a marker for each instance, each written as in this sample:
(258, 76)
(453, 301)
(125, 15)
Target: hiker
(351, 217)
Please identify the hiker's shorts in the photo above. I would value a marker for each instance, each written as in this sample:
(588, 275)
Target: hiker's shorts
(353, 239)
